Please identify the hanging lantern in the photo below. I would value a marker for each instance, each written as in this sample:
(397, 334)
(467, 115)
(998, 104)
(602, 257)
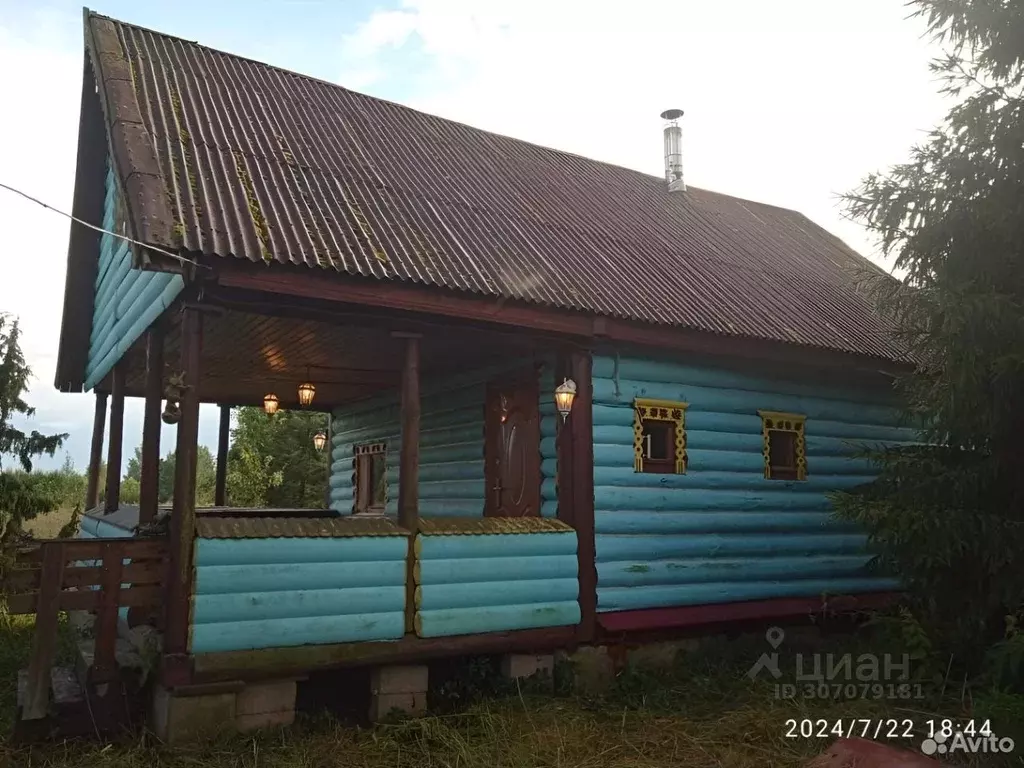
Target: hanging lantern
(320, 440)
(270, 404)
(172, 412)
(306, 393)
(565, 393)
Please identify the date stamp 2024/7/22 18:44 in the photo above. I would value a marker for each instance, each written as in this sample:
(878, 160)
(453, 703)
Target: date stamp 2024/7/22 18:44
(932, 737)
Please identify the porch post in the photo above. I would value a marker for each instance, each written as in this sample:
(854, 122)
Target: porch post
(113, 493)
(182, 528)
(149, 480)
(576, 485)
(409, 468)
(220, 487)
(409, 461)
(99, 421)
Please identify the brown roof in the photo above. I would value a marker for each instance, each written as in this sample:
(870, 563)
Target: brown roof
(230, 157)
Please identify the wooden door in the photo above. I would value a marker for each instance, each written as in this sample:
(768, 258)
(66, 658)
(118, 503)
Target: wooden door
(512, 449)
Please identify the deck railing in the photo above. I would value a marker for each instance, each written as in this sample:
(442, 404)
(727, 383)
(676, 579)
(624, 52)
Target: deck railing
(97, 575)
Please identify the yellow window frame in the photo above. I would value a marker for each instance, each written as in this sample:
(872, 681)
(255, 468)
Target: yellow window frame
(779, 421)
(646, 409)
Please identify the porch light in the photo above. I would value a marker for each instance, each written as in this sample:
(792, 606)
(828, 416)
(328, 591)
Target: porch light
(565, 393)
(270, 404)
(306, 393)
(320, 440)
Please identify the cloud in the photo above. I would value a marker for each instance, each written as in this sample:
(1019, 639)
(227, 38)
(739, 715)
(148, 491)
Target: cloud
(787, 103)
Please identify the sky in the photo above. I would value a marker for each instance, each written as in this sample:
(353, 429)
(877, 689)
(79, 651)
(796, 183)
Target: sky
(790, 103)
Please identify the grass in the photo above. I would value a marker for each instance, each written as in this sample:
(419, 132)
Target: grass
(47, 526)
(704, 712)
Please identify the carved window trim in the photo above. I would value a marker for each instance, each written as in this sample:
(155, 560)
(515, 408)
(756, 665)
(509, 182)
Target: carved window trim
(362, 492)
(791, 423)
(646, 409)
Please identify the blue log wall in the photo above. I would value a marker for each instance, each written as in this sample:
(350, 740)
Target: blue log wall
(722, 532)
(491, 583)
(451, 475)
(127, 300)
(274, 592)
(549, 419)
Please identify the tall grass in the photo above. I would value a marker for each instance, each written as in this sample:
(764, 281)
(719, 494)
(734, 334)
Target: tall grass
(702, 712)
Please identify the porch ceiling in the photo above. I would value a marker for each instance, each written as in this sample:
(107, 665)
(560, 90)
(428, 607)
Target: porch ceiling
(245, 355)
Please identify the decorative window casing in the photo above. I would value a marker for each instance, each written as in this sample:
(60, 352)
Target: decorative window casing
(659, 436)
(785, 456)
(369, 479)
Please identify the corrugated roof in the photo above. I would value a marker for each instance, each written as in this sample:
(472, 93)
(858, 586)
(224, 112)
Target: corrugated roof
(479, 526)
(262, 164)
(294, 527)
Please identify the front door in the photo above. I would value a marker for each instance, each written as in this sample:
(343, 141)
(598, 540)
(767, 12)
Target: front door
(512, 448)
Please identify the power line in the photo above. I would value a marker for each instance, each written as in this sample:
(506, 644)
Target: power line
(77, 220)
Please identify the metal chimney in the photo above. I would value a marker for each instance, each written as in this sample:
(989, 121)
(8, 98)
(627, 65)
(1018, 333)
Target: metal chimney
(674, 150)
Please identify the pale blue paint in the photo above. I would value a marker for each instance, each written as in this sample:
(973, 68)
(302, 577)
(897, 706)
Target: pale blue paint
(496, 582)
(126, 300)
(549, 420)
(266, 593)
(722, 532)
(451, 457)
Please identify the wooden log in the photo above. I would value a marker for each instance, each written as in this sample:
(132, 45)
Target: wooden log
(580, 422)
(149, 482)
(182, 528)
(92, 492)
(44, 646)
(114, 443)
(220, 485)
(409, 466)
(104, 668)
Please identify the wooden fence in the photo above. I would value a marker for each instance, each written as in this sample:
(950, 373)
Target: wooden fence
(98, 575)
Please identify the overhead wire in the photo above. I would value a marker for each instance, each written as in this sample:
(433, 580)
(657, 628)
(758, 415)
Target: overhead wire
(133, 241)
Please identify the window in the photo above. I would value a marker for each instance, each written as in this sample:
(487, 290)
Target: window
(371, 480)
(784, 457)
(659, 437)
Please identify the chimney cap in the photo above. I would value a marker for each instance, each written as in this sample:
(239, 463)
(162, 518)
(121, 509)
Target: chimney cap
(671, 114)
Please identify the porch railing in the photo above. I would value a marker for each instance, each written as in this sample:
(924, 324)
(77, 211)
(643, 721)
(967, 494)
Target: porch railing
(98, 575)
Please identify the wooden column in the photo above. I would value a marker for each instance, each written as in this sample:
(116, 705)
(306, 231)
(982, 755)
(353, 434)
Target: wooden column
(149, 480)
(114, 442)
(576, 485)
(99, 421)
(220, 488)
(330, 461)
(409, 461)
(409, 468)
(182, 528)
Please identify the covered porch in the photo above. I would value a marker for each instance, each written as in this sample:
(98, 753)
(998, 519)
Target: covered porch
(447, 526)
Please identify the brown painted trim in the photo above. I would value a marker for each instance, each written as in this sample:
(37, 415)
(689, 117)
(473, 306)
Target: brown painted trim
(705, 615)
(409, 469)
(84, 243)
(115, 441)
(286, 662)
(221, 481)
(581, 425)
(183, 514)
(149, 481)
(99, 419)
(133, 153)
(305, 283)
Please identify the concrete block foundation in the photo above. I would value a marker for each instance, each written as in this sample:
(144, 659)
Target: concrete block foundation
(520, 666)
(398, 688)
(176, 719)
